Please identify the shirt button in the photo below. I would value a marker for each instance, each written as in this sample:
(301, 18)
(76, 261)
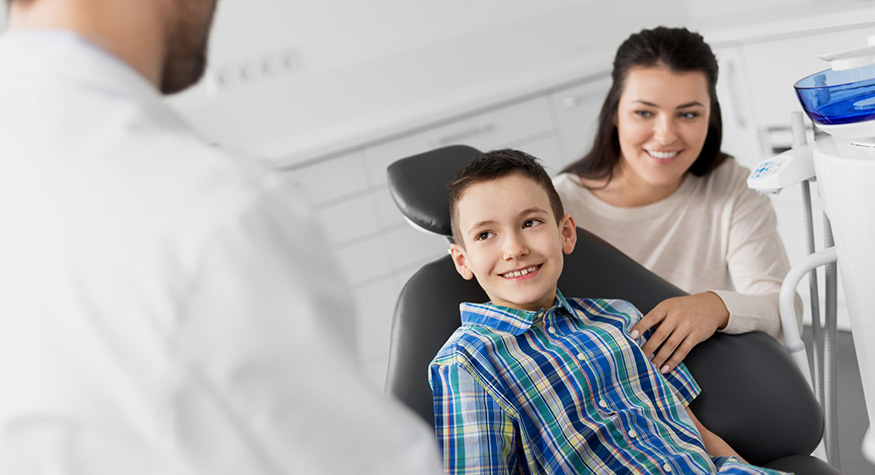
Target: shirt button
(667, 468)
(552, 330)
(581, 356)
(603, 404)
(632, 433)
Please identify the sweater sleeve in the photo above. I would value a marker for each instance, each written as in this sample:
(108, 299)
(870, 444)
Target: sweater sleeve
(757, 264)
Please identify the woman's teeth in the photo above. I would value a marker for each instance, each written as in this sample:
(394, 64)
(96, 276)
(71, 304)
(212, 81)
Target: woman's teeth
(520, 273)
(661, 155)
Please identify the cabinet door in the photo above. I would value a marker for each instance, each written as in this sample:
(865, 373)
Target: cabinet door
(331, 179)
(577, 110)
(489, 130)
(741, 137)
(773, 67)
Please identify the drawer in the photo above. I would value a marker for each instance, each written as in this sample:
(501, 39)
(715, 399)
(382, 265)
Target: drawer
(375, 304)
(411, 247)
(577, 111)
(546, 150)
(332, 178)
(485, 131)
(348, 220)
(363, 261)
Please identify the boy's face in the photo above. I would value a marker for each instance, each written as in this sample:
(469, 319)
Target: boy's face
(511, 242)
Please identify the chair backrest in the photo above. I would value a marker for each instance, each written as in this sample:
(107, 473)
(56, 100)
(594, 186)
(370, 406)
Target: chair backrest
(753, 395)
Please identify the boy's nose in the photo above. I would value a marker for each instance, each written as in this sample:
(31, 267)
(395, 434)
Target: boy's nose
(514, 248)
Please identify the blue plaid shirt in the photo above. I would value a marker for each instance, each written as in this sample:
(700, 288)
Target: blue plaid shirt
(563, 391)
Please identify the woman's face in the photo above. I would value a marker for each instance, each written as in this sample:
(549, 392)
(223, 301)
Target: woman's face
(662, 121)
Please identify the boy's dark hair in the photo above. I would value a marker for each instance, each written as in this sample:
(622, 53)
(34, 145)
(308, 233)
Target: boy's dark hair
(677, 49)
(497, 164)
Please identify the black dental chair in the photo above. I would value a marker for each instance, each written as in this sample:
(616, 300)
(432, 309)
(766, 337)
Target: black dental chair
(753, 395)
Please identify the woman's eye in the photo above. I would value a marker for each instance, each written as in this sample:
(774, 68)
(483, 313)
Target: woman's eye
(688, 115)
(643, 113)
(531, 223)
(484, 235)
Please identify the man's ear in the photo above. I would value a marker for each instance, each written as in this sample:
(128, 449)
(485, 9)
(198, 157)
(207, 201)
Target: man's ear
(460, 260)
(569, 233)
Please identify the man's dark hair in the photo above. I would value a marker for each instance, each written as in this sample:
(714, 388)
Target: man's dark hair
(497, 164)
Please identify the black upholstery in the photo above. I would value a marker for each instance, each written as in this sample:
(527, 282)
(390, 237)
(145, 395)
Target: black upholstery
(418, 185)
(753, 395)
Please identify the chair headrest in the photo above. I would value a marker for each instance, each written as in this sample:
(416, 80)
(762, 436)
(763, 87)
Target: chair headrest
(418, 184)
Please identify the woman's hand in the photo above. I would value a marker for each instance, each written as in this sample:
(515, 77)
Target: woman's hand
(679, 324)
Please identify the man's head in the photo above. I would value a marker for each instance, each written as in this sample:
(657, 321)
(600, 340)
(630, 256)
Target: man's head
(510, 229)
(188, 32)
(164, 40)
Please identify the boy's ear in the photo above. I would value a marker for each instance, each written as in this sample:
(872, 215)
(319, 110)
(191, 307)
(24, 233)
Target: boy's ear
(569, 233)
(460, 260)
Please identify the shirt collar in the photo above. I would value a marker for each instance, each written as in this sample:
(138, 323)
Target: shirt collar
(67, 54)
(506, 319)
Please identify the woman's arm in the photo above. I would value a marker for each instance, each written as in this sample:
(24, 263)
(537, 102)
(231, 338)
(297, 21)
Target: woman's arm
(756, 263)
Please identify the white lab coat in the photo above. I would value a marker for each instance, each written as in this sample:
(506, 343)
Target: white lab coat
(165, 307)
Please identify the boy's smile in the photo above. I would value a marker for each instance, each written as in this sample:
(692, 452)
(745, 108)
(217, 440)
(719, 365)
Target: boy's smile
(511, 242)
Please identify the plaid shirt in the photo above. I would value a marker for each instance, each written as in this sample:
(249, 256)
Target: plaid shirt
(562, 391)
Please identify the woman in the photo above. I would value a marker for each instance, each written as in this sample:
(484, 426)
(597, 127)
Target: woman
(657, 186)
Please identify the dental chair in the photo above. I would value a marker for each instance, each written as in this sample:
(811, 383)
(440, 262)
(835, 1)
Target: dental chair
(753, 394)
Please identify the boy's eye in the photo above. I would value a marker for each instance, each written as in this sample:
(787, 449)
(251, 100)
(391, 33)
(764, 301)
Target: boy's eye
(484, 235)
(531, 223)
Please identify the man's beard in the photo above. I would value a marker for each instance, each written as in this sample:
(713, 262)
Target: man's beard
(182, 70)
(186, 58)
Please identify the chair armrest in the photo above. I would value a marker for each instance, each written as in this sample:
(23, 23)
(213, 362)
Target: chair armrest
(755, 397)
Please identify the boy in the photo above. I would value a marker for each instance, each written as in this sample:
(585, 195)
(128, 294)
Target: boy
(533, 382)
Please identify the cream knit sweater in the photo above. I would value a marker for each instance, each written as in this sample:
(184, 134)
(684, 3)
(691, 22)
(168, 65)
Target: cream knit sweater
(713, 233)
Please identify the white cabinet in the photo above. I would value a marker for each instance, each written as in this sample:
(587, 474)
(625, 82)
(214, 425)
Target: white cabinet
(756, 85)
(518, 123)
(740, 136)
(577, 109)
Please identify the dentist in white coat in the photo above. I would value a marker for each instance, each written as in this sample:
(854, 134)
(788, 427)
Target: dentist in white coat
(165, 307)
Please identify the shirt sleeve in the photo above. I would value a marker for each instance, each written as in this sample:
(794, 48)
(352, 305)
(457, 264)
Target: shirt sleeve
(681, 381)
(757, 264)
(475, 435)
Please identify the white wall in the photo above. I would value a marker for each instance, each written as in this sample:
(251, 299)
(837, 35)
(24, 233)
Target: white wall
(340, 33)
(329, 39)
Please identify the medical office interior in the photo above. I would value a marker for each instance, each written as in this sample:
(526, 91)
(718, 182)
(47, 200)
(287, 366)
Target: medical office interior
(333, 92)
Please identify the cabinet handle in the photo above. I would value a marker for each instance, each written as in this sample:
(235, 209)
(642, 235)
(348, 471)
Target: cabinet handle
(570, 102)
(735, 95)
(464, 134)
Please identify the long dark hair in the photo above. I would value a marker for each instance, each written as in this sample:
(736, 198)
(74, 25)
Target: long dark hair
(677, 49)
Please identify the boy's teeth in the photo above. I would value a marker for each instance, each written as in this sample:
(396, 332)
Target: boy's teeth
(520, 273)
(663, 155)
